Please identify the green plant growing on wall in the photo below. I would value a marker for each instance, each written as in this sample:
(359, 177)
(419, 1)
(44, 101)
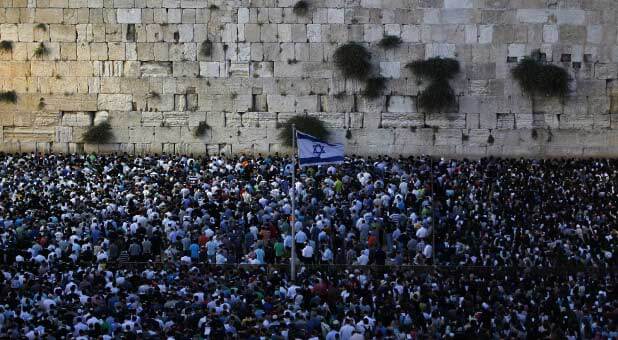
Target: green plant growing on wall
(374, 87)
(390, 41)
(154, 95)
(200, 130)
(41, 27)
(438, 95)
(6, 46)
(353, 60)
(206, 48)
(435, 68)
(536, 77)
(98, 134)
(8, 97)
(307, 124)
(41, 51)
(301, 8)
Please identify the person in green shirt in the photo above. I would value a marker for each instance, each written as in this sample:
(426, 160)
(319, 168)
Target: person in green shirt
(338, 186)
(279, 251)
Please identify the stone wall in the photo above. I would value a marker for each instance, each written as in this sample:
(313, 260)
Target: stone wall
(138, 64)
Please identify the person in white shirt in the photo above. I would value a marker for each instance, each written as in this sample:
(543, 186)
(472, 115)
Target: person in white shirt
(307, 253)
(345, 332)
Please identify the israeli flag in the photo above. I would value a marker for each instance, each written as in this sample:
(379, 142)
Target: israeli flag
(312, 151)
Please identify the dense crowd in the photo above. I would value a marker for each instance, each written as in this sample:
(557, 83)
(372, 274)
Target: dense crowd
(109, 246)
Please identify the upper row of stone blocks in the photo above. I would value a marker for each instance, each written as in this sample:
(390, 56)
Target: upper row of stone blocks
(326, 15)
(379, 4)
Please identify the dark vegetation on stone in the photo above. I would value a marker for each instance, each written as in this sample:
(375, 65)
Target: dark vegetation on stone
(438, 95)
(390, 41)
(98, 134)
(301, 8)
(374, 87)
(200, 130)
(536, 77)
(8, 96)
(353, 60)
(206, 48)
(435, 68)
(6, 46)
(41, 51)
(307, 124)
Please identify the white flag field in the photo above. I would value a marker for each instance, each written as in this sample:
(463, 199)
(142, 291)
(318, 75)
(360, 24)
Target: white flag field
(312, 151)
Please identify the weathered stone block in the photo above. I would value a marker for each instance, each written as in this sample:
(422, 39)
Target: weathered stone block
(401, 120)
(401, 104)
(76, 119)
(572, 34)
(129, 15)
(114, 102)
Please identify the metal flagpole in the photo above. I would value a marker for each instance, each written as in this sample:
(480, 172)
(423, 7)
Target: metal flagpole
(433, 217)
(293, 217)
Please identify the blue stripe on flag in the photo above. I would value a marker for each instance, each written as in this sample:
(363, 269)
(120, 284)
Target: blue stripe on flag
(313, 160)
(301, 135)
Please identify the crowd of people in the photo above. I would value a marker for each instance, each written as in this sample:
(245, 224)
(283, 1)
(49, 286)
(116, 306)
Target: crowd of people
(106, 246)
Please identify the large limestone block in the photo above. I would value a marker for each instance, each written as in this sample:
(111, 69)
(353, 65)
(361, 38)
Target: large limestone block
(570, 16)
(71, 102)
(239, 70)
(155, 69)
(458, 3)
(279, 103)
(401, 120)
(458, 16)
(175, 119)
(114, 102)
(29, 134)
(129, 15)
(124, 119)
(533, 16)
(76, 119)
(141, 134)
(47, 119)
(48, 15)
(401, 104)
(572, 34)
(390, 69)
(63, 33)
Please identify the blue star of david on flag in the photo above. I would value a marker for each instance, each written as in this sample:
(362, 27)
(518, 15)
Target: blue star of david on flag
(312, 151)
(318, 150)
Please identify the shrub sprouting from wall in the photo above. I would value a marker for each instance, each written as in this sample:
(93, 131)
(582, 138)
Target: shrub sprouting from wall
(540, 78)
(390, 41)
(307, 124)
(41, 51)
(353, 60)
(374, 87)
(206, 48)
(98, 134)
(301, 8)
(6, 46)
(200, 130)
(438, 95)
(8, 97)
(435, 68)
